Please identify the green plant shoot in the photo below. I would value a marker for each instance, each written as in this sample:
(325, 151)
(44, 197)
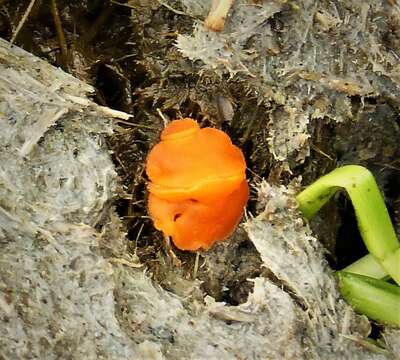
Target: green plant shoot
(362, 283)
(377, 299)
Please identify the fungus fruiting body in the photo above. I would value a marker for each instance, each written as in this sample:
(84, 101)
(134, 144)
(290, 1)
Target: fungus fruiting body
(198, 187)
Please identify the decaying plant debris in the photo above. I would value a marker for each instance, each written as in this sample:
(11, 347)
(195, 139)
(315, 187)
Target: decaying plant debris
(300, 86)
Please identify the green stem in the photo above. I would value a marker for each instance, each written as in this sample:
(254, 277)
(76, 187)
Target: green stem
(377, 299)
(372, 216)
(367, 266)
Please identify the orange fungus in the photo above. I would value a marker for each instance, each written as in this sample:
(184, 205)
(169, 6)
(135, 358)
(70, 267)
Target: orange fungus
(198, 186)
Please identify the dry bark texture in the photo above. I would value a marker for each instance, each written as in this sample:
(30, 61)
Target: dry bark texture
(309, 59)
(68, 287)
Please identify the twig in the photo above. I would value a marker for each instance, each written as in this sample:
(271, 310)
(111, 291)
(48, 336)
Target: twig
(114, 113)
(121, 164)
(23, 20)
(60, 33)
(103, 109)
(162, 116)
(170, 8)
(137, 237)
(196, 265)
(172, 256)
(319, 151)
(162, 3)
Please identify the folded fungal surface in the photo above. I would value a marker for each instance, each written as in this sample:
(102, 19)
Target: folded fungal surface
(198, 187)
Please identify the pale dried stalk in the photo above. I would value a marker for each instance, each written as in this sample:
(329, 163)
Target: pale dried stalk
(216, 17)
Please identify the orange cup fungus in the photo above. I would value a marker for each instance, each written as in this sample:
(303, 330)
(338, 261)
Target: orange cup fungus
(198, 186)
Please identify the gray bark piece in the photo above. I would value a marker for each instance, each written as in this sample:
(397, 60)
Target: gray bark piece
(308, 57)
(56, 290)
(295, 257)
(267, 326)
